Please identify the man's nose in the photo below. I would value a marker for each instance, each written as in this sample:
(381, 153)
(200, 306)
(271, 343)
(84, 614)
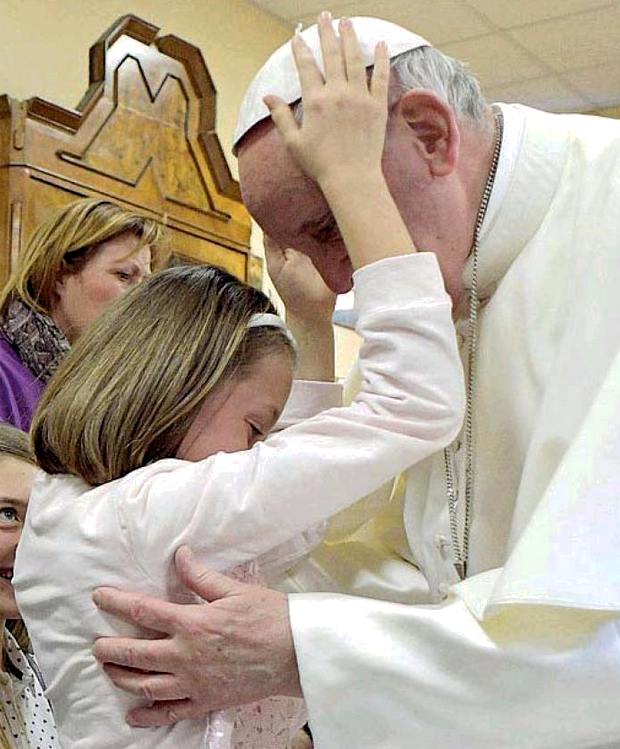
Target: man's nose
(339, 281)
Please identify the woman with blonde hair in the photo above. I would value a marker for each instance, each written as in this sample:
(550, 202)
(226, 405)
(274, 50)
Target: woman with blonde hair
(154, 433)
(26, 719)
(76, 263)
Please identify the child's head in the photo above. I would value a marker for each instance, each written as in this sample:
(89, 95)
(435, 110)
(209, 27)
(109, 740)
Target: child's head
(17, 471)
(171, 370)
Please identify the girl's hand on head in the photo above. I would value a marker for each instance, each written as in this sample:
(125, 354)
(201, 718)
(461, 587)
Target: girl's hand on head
(301, 288)
(344, 115)
(340, 142)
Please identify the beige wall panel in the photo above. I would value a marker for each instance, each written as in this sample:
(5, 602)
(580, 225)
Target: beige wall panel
(44, 45)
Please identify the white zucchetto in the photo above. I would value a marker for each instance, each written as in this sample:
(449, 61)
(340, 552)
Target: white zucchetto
(279, 75)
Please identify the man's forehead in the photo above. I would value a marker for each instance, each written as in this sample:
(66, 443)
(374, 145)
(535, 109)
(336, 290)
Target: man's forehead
(273, 187)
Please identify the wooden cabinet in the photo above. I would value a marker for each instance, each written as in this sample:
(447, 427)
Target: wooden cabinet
(143, 136)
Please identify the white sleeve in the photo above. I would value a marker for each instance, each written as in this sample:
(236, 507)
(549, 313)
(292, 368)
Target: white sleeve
(433, 676)
(307, 399)
(275, 562)
(234, 507)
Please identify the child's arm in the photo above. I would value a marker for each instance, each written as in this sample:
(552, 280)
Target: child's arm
(233, 507)
(309, 310)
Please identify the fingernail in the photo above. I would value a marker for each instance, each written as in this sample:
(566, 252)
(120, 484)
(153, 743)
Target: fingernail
(96, 596)
(345, 23)
(325, 16)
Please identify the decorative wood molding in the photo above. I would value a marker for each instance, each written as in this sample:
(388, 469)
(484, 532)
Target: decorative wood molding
(142, 135)
(53, 114)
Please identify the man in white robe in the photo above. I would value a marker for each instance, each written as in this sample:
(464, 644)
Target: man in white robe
(525, 652)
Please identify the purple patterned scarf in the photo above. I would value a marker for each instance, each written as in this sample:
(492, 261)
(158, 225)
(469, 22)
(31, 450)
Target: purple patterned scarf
(39, 343)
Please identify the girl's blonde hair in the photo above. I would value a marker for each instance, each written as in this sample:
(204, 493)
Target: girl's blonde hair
(16, 444)
(130, 388)
(65, 242)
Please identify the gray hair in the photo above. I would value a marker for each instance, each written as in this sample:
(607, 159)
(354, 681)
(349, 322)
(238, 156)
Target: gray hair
(427, 67)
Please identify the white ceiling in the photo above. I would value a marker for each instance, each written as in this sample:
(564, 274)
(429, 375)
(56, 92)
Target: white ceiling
(560, 55)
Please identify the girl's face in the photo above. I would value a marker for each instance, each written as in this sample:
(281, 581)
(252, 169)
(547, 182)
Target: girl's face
(242, 413)
(16, 477)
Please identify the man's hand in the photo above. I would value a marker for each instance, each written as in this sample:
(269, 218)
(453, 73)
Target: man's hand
(235, 648)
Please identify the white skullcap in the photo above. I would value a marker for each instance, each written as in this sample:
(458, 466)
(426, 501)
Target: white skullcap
(279, 75)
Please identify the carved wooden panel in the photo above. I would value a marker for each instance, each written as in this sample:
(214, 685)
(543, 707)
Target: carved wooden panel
(143, 136)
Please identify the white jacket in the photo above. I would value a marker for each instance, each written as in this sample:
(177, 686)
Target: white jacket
(232, 507)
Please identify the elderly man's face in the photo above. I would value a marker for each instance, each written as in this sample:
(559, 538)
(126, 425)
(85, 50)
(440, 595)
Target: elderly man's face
(291, 209)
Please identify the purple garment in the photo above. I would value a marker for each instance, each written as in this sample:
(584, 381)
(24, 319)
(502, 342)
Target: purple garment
(20, 390)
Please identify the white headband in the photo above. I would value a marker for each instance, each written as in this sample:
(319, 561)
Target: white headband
(268, 320)
(279, 75)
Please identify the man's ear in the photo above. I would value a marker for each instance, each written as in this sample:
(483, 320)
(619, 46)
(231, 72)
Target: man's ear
(434, 127)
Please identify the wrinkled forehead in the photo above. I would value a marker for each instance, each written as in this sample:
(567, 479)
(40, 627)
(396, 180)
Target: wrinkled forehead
(279, 196)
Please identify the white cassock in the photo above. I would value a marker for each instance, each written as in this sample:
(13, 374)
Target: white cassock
(526, 652)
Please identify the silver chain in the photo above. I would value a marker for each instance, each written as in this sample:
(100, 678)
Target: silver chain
(461, 549)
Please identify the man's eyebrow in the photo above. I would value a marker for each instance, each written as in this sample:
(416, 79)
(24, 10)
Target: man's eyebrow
(268, 412)
(317, 223)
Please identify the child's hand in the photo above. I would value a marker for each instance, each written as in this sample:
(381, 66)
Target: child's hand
(297, 281)
(344, 116)
(340, 143)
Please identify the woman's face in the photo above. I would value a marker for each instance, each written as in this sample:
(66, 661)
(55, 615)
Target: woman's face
(242, 413)
(16, 477)
(112, 270)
